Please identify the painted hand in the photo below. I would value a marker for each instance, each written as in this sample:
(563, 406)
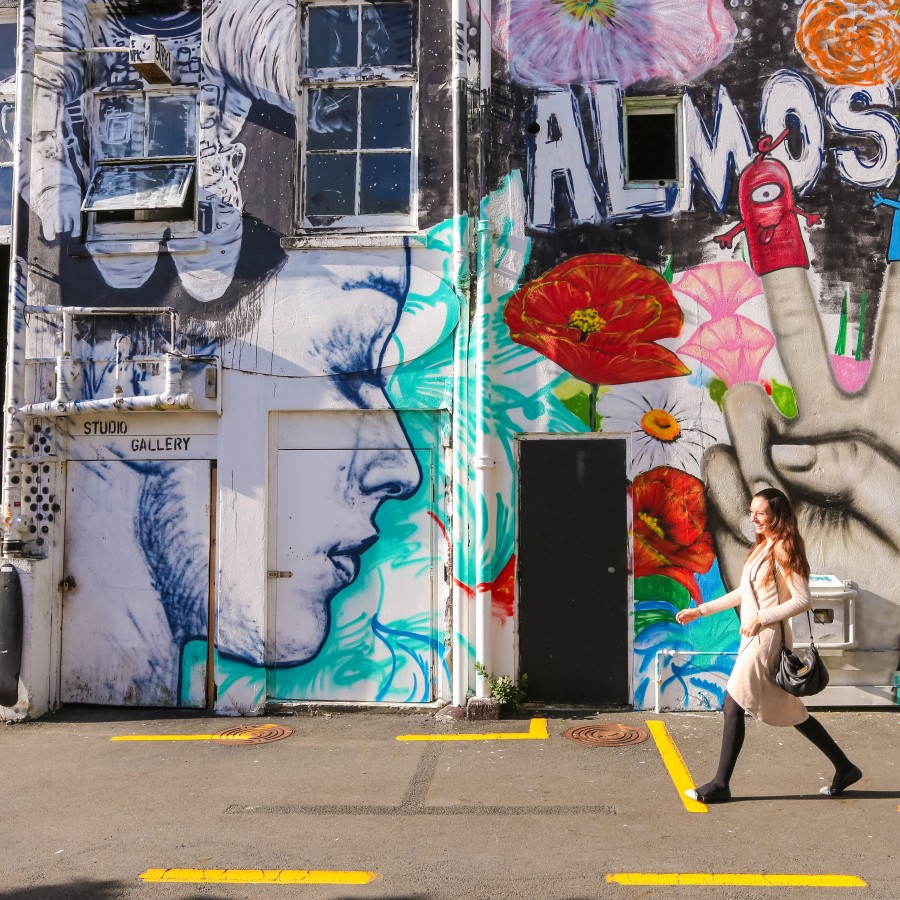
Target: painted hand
(839, 461)
(877, 199)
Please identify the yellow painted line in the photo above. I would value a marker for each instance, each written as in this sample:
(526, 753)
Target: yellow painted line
(677, 879)
(256, 876)
(182, 737)
(673, 761)
(536, 731)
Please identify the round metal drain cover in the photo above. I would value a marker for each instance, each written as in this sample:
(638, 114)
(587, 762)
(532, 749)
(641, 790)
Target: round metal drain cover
(255, 734)
(607, 735)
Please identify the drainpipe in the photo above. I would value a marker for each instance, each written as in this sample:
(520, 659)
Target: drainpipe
(459, 523)
(483, 463)
(15, 525)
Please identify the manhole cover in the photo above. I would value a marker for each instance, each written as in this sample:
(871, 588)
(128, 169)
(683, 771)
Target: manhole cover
(255, 734)
(607, 735)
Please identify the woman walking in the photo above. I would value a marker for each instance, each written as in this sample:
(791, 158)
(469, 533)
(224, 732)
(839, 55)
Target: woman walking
(776, 567)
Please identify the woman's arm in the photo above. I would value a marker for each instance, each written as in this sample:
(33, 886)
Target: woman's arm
(800, 599)
(692, 613)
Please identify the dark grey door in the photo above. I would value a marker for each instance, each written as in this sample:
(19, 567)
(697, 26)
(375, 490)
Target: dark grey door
(573, 569)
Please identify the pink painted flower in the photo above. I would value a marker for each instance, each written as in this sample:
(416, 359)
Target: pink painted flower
(551, 42)
(733, 347)
(720, 288)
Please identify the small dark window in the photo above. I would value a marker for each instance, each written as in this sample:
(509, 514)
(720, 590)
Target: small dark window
(652, 145)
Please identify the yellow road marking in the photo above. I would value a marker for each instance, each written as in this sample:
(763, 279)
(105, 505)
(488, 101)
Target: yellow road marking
(677, 879)
(257, 876)
(182, 737)
(673, 761)
(537, 731)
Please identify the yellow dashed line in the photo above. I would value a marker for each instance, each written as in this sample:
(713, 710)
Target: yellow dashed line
(537, 731)
(257, 876)
(678, 771)
(677, 879)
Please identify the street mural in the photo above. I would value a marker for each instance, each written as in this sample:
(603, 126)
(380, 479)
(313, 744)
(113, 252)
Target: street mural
(736, 323)
(744, 354)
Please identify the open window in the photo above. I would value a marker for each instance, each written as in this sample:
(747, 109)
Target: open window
(654, 141)
(144, 152)
(142, 128)
(358, 115)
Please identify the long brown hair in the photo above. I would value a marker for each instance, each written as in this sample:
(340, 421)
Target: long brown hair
(786, 530)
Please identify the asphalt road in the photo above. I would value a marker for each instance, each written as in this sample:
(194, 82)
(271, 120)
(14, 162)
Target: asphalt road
(85, 816)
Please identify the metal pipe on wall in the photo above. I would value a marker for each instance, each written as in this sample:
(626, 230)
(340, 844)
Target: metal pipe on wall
(13, 431)
(483, 463)
(459, 524)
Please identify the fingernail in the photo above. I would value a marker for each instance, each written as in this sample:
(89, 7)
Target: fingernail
(794, 456)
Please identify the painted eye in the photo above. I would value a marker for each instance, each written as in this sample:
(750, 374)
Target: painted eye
(766, 193)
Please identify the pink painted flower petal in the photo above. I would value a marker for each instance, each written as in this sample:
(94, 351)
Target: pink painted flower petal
(851, 374)
(733, 348)
(551, 42)
(720, 288)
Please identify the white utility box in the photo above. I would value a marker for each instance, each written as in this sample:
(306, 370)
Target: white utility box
(833, 615)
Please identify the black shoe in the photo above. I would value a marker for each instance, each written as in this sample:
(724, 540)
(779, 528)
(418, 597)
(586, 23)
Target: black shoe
(707, 794)
(841, 781)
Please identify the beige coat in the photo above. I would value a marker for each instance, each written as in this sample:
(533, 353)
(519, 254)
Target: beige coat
(752, 681)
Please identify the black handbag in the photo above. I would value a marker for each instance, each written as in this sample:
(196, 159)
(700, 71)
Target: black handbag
(803, 675)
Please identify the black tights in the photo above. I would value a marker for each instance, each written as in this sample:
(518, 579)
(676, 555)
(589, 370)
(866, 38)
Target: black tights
(733, 739)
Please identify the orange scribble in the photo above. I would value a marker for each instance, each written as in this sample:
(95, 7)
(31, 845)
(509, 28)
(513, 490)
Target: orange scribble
(851, 41)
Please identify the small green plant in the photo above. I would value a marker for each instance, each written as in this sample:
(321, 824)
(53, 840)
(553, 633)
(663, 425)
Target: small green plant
(503, 689)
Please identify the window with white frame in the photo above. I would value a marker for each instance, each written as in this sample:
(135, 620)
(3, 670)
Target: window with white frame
(8, 40)
(654, 141)
(358, 113)
(143, 141)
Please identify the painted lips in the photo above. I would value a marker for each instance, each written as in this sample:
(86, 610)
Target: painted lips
(345, 558)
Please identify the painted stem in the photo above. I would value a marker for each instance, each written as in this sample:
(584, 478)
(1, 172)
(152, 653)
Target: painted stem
(592, 410)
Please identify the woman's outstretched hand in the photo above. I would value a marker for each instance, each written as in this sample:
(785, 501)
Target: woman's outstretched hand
(684, 616)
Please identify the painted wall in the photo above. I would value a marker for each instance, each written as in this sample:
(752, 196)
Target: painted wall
(324, 437)
(738, 325)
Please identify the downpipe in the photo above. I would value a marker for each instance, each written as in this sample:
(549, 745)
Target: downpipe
(483, 464)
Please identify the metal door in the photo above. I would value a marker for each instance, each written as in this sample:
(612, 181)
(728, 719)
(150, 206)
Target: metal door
(352, 559)
(573, 569)
(137, 586)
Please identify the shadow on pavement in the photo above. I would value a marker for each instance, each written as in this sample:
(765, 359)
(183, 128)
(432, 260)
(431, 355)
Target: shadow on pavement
(847, 795)
(73, 890)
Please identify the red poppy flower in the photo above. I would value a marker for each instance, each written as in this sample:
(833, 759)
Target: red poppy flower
(670, 536)
(598, 316)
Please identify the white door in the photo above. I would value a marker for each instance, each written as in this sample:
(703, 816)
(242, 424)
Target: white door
(352, 558)
(135, 618)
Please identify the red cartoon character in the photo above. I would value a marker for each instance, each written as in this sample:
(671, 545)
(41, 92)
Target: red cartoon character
(766, 198)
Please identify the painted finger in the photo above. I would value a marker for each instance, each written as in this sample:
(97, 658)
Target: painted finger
(752, 421)
(727, 502)
(856, 473)
(800, 339)
(885, 374)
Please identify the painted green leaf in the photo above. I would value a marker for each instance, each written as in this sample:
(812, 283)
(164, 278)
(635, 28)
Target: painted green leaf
(658, 587)
(717, 391)
(667, 274)
(784, 399)
(580, 405)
